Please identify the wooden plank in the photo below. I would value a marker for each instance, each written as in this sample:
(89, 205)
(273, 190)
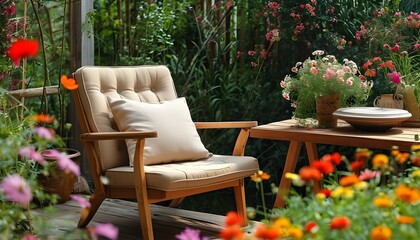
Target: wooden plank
(33, 92)
(167, 222)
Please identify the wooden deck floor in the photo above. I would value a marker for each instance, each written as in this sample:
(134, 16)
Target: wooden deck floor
(167, 222)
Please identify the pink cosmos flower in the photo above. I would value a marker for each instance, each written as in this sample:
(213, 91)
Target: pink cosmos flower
(295, 69)
(44, 133)
(105, 230)
(416, 47)
(30, 153)
(190, 234)
(395, 48)
(63, 161)
(16, 189)
(395, 77)
(367, 174)
(83, 202)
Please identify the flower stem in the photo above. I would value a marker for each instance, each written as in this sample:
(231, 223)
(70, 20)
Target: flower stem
(263, 201)
(29, 219)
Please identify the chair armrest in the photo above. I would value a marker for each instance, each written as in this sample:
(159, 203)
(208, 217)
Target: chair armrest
(214, 125)
(96, 136)
(239, 148)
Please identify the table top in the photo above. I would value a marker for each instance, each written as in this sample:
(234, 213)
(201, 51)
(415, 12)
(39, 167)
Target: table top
(343, 134)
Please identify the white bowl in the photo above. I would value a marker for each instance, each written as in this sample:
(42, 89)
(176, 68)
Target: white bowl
(373, 119)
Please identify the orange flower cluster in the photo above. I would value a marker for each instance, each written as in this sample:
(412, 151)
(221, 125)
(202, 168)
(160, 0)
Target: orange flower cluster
(319, 168)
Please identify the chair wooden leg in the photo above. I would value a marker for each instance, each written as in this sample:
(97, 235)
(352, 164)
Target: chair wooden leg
(176, 202)
(95, 200)
(240, 202)
(145, 218)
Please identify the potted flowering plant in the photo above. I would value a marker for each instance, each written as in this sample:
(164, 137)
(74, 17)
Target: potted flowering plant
(391, 39)
(323, 76)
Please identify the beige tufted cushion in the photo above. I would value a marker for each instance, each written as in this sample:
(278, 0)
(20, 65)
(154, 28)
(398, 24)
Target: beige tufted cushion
(190, 174)
(150, 84)
(177, 139)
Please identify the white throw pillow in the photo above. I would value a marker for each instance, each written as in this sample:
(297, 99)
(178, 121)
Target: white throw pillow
(177, 137)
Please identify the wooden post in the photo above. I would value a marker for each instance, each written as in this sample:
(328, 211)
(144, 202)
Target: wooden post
(81, 54)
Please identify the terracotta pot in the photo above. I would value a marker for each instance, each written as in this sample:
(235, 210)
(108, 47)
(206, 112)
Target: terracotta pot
(325, 107)
(389, 101)
(59, 182)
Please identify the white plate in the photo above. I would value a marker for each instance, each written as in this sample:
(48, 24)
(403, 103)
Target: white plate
(372, 118)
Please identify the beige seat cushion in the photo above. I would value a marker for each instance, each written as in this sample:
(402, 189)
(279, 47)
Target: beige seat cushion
(177, 138)
(185, 175)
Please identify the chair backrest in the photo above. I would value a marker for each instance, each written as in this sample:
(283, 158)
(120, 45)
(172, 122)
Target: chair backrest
(150, 84)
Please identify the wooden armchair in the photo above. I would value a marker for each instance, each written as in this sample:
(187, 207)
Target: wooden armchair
(138, 134)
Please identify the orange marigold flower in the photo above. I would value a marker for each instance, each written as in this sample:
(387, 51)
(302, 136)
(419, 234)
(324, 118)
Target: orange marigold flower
(407, 194)
(68, 83)
(310, 173)
(265, 232)
(362, 154)
(380, 160)
(381, 233)
(282, 223)
(347, 181)
(335, 158)
(387, 64)
(42, 118)
(402, 157)
(383, 202)
(295, 232)
(370, 73)
(325, 167)
(405, 220)
(260, 176)
(340, 222)
(415, 147)
(22, 48)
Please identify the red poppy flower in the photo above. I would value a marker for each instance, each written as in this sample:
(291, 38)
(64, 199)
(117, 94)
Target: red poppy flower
(231, 233)
(310, 173)
(326, 192)
(340, 223)
(325, 167)
(69, 83)
(335, 158)
(22, 48)
(310, 226)
(232, 218)
(355, 166)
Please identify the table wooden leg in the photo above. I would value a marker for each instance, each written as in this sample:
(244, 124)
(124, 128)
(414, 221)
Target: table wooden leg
(312, 152)
(289, 166)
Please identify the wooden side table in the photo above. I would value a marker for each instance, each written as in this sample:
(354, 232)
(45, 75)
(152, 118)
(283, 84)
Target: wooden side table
(343, 135)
